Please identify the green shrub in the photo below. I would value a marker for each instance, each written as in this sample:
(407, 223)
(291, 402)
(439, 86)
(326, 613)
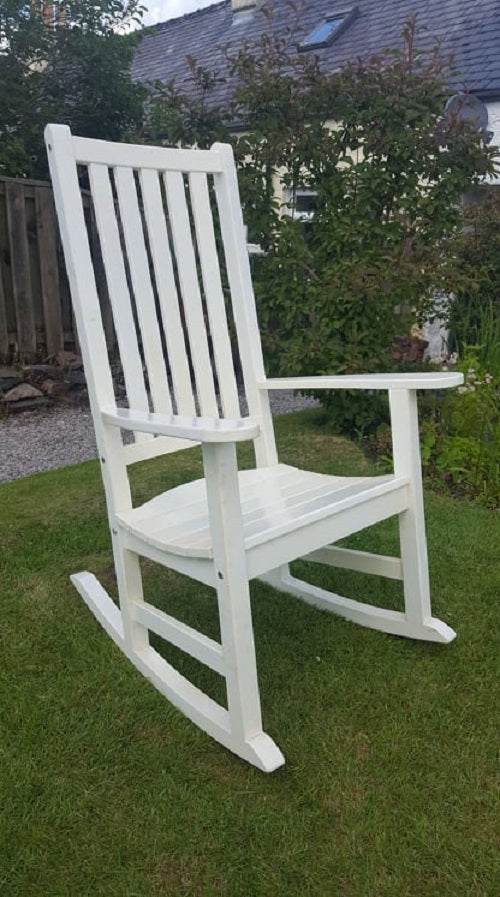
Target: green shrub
(464, 436)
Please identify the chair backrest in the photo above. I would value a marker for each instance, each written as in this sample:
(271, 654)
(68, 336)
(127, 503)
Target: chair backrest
(173, 245)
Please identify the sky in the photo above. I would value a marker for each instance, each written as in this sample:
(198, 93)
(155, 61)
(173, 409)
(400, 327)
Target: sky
(161, 10)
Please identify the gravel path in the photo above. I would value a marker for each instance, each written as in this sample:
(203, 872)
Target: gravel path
(34, 441)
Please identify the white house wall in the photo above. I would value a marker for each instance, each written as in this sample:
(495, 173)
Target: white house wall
(494, 125)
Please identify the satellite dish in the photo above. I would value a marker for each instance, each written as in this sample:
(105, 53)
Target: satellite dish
(467, 108)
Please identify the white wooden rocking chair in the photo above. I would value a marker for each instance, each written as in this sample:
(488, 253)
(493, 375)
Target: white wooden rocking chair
(157, 231)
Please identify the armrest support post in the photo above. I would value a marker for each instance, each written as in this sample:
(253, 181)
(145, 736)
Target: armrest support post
(406, 452)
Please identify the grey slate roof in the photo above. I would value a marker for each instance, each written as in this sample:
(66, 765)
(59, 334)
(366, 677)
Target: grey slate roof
(469, 29)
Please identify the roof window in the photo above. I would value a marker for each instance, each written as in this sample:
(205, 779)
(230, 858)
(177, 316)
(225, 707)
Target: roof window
(329, 30)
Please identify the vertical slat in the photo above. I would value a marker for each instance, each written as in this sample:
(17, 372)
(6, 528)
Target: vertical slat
(190, 289)
(143, 290)
(20, 262)
(200, 203)
(167, 290)
(107, 226)
(243, 302)
(4, 275)
(49, 270)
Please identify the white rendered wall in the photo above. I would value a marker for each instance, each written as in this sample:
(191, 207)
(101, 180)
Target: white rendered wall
(494, 125)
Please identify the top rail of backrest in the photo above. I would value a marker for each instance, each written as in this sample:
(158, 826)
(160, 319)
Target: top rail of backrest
(88, 151)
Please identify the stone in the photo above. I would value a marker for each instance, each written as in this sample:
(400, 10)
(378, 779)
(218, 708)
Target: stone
(68, 359)
(76, 397)
(76, 377)
(25, 404)
(7, 383)
(23, 391)
(409, 348)
(41, 371)
(9, 377)
(54, 388)
(8, 372)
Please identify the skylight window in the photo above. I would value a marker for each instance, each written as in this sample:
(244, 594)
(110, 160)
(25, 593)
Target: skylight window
(328, 30)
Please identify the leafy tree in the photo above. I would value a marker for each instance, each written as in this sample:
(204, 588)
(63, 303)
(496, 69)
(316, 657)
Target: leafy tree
(67, 62)
(388, 178)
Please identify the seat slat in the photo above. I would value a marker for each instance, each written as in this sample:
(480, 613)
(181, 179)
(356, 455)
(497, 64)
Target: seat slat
(194, 493)
(281, 501)
(272, 520)
(143, 290)
(167, 291)
(191, 295)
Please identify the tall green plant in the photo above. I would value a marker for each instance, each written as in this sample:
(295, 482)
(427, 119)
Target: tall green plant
(461, 436)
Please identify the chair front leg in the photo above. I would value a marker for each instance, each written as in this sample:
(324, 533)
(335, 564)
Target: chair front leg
(233, 595)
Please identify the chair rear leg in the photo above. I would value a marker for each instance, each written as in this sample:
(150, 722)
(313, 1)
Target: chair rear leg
(119, 622)
(407, 462)
(416, 584)
(130, 592)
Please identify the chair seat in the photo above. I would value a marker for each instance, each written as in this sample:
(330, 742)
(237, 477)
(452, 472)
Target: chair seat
(275, 501)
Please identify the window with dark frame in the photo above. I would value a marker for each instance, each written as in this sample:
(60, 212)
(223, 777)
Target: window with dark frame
(328, 30)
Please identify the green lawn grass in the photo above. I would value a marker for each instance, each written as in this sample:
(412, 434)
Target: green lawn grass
(105, 789)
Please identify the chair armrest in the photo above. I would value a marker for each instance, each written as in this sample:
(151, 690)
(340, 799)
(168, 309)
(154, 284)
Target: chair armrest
(438, 380)
(197, 429)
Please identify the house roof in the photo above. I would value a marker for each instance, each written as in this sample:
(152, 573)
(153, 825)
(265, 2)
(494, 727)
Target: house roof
(468, 29)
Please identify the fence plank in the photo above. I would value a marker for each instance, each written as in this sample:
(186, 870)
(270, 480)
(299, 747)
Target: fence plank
(20, 263)
(4, 339)
(49, 269)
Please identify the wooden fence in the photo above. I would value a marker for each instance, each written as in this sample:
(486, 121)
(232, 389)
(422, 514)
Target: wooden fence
(36, 318)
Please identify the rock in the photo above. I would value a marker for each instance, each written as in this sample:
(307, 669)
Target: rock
(7, 372)
(41, 371)
(23, 391)
(68, 359)
(54, 388)
(7, 383)
(76, 377)
(25, 404)
(9, 377)
(73, 397)
(23, 397)
(409, 348)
